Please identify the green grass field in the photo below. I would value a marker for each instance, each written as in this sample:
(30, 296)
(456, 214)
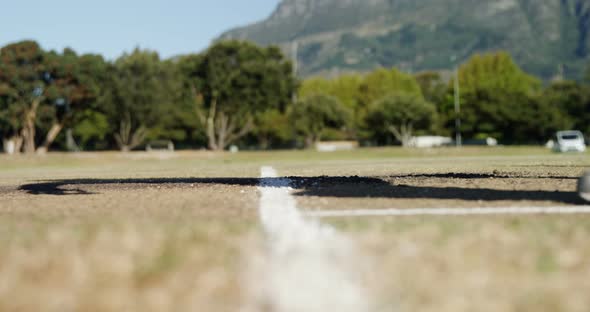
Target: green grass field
(180, 232)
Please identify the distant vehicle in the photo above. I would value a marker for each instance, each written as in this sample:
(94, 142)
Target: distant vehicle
(569, 141)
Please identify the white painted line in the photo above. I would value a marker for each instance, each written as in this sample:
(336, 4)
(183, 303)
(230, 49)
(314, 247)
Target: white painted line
(309, 267)
(564, 210)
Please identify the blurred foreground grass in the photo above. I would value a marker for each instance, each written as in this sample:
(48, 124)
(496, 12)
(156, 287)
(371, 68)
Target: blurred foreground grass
(528, 263)
(188, 248)
(120, 264)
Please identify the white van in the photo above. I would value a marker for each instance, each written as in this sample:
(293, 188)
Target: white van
(569, 141)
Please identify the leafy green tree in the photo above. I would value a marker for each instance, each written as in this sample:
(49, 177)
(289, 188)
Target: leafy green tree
(568, 106)
(497, 98)
(141, 92)
(22, 91)
(74, 89)
(539, 120)
(315, 85)
(44, 91)
(432, 86)
(401, 114)
(232, 82)
(272, 128)
(434, 89)
(382, 82)
(345, 88)
(357, 92)
(314, 114)
(378, 84)
(92, 130)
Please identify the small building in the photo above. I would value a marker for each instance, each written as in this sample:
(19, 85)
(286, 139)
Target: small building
(333, 146)
(160, 145)
(430, 141)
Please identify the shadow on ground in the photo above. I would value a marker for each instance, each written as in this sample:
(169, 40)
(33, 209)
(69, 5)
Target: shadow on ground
(344, 187)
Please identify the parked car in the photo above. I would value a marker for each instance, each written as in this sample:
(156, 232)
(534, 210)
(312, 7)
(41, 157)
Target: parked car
(569, 141)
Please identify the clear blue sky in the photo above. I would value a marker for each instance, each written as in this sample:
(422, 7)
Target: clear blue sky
(111, 27)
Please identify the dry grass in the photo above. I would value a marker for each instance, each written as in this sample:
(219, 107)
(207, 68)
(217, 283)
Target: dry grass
(186, 246)
(123, 247)
(477, 264)
(121, 264)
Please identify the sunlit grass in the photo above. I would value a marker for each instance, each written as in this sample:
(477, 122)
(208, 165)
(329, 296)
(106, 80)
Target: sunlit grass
(533, 263)
(64, 160)
(121, 264)
(186, 248)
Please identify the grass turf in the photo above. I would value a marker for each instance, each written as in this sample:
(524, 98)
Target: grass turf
(186, 245)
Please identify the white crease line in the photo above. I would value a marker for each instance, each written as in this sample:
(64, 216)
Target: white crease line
(564, 210)
(310, 267)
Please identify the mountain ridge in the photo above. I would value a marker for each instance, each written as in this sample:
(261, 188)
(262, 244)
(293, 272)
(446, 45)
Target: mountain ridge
(546, 37)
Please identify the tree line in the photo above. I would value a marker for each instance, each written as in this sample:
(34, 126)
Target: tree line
(238, 93)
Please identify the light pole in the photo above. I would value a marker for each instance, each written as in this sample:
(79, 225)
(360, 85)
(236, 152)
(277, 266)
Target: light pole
(294, 52)
(458, 139)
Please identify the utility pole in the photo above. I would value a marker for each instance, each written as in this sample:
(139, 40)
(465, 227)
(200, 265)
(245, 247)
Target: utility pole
(458, 139)
(294, 52)
(294, 60)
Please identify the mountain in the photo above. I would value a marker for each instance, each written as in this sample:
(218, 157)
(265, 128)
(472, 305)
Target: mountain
(546, 37)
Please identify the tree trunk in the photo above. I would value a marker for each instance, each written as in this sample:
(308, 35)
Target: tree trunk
(28, 131)
(404, 133)
(127, 138)
(210, 125)
(70, 142)
(228, 132)
(309, 141)
(51, 135)
(221, 129)
(263, 142)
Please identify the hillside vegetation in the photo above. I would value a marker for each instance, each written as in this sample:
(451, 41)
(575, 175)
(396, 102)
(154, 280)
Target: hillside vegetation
(546, 37)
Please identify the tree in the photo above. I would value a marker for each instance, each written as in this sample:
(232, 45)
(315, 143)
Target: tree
(434, 89)
(92, 130)
(345, 88)
(23, 81)
(44, 90)
(141, 92)
(74, 89)
(401, 114)
(569, 102)
(378, 84)
(497, 98)
(357, 92)
(432, 85)
(231, 83)
(272, 128)
(383, 82)
(315, 113)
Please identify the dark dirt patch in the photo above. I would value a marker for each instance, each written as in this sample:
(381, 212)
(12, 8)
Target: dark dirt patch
(494, 186)
(450, 189)
(91, 186)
